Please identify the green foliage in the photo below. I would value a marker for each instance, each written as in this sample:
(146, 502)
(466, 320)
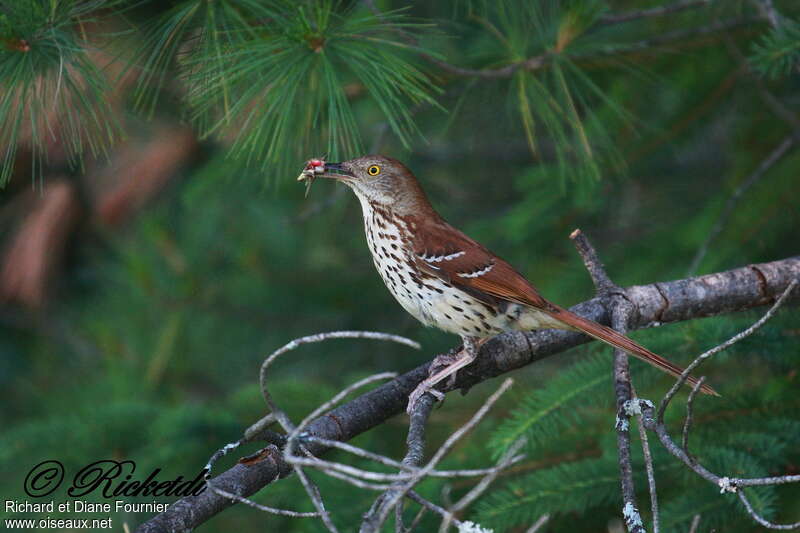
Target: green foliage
(305, 56)
(544, 412)
(575, 486)
(556, 101)
(151, 347)
(51, 93)
(777, 53)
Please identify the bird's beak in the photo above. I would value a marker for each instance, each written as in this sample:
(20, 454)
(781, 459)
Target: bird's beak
(337, 171)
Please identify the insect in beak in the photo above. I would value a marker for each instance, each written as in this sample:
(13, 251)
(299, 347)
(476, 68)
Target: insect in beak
(314, 167)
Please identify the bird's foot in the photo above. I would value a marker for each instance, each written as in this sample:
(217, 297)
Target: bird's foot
(444, 366)
(443, 361)
(422, 389)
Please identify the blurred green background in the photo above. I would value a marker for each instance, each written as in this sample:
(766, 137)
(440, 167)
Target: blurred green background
(156, 246)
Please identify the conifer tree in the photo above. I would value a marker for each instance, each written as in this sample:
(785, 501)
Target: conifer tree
(665, 128)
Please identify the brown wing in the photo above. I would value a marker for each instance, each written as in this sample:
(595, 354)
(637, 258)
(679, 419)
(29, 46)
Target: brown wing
(445, 252)
(448, 254)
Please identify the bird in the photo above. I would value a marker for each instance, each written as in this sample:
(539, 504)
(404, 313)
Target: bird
(445, 279)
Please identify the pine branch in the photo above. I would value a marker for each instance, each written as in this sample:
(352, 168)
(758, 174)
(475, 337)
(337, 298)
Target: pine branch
(674, 301)
(658, 11)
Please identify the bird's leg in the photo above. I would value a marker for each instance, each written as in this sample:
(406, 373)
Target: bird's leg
(452, 364)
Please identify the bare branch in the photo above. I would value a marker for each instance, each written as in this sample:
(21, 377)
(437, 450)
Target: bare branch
(374, 521)
(769, 12)
(260, 507)
(712, 294)
(505, 461)
(659, 11)
(538, 524)
(279, 414)
(695, 524)
(733, 199)
(651, 475)
(316, 499)
(413, 496)
(715, 350)
(332, 402)
(602, 283)
(539, 61)
(621, 310)
(415, 442)
(687, 424)
(760, 519)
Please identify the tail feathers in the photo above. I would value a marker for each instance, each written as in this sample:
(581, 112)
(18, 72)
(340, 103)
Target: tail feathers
(609, 336)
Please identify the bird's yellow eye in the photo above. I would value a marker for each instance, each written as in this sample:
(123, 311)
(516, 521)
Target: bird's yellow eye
(374, 170)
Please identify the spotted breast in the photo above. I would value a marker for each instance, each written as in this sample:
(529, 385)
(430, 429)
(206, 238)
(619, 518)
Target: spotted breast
(406, 272)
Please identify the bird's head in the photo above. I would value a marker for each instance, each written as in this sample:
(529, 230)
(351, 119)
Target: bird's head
(380, 179)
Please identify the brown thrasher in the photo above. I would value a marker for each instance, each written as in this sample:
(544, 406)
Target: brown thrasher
(444, 278)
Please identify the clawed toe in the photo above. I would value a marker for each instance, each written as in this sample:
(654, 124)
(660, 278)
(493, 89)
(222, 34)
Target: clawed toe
(444, 366)
(419, 392)
(442, 361)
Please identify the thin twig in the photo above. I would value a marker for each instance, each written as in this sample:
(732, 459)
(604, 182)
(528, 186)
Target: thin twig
(602, 283)
(716, 349)
(760, 519)
(415, 444)
(316, 499)
(380, 487)
(621, 310)
(536, 526)
(651, 475)
(219, 454)
(677, 36)
(622, 391)
(734, 198)
(292, 437)
(260, 507)
(417, 519)
(280, 414)
(415, 497)
(769, 12)
(695, 524)
(726, 483)
(257, 429)
(391, 500)
(658, 11)
(536, 62)
(687, 424)
(408, 474)
(505, 461)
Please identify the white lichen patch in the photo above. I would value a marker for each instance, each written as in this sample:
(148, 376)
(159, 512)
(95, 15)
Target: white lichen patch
(725, 485)
(621, 424)
(632, 517)
(634, 407)
(472, 527)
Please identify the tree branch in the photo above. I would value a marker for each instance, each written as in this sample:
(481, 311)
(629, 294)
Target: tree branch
(621, 311)
(773, 157)
(658, 11)
(674, 301)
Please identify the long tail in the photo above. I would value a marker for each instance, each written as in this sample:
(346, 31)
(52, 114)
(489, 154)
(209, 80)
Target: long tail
(609, 336)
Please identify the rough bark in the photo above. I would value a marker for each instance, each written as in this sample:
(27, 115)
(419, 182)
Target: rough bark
(658, 303)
